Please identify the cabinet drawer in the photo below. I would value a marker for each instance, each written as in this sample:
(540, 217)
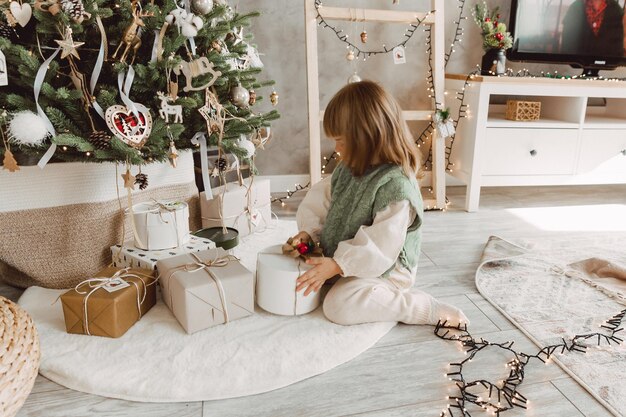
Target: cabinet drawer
(603, 151)
(529, 151)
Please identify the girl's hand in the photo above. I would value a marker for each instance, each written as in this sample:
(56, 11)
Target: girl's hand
(301, 237)
(313, 279)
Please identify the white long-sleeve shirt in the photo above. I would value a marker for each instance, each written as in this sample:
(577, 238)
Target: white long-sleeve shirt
(374, 249)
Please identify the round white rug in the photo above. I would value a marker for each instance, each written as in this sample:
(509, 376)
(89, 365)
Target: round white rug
(156, 361)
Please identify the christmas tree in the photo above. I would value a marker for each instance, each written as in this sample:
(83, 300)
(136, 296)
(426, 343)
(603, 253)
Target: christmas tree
(129, 81)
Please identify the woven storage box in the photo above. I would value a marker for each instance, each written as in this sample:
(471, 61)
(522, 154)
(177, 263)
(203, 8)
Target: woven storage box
(19, 357)
(522, 110)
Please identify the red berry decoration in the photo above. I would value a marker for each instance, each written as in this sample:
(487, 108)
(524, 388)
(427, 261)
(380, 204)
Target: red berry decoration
(487, 19)
(302, 248)
(499, 36)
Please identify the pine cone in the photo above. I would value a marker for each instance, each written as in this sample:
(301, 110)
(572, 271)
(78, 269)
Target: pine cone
(221, 164)
(141, 179)
(100, 139)
(6, 31)
(75, 10)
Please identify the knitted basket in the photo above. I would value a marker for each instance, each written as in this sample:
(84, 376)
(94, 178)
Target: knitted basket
(58, 223)
(19, 357)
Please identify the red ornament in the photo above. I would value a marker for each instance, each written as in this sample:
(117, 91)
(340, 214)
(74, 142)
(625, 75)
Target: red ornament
(499, 36)
(302, 248)
(487, 19)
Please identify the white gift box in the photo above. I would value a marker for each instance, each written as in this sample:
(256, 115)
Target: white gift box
(131, 256)
(160, 225)
(276, 284)
(246, 209)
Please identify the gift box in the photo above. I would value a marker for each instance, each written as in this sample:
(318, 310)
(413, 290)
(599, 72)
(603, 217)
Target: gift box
(160, 225)
(207, 288)
(109, 303)
(129, 255)
(245, 211)
(276, 284)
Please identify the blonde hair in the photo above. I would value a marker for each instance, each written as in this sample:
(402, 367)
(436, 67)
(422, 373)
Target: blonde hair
(370, 121)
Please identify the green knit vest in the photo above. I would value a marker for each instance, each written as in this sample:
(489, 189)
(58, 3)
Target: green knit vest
(355, 201)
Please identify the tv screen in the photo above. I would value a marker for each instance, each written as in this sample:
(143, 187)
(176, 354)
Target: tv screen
(583, 33)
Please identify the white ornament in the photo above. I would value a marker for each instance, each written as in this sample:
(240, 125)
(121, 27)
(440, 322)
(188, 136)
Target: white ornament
(239, 96)
(27, 128)
(4, 72)
(247, 146)
(253, 57)
(354, 78)
(21, 12)
(202, 6)
(188, 23)
(166, 109)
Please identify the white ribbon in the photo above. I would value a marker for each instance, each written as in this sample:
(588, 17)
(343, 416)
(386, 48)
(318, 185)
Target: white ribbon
(97, 69)
(200, 139)
(96, 283)
(155, 47)
(41, 74)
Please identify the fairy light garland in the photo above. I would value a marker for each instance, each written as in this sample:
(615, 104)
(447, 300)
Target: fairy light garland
(458, 31)
(343, 37)
(504, 395)
(430, 128)
(327, 159)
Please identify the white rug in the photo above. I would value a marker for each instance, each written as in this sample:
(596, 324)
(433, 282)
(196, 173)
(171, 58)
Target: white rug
(156, 361)
(532, 284)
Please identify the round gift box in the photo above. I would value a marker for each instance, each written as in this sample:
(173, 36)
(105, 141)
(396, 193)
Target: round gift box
(276, 284)
(226, 241)
(157, 228)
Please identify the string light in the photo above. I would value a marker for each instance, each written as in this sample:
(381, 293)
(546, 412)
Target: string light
(408, 34)
(504, 395)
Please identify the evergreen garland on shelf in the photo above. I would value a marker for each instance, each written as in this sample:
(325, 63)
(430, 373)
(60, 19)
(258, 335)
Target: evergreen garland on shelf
(83, 135)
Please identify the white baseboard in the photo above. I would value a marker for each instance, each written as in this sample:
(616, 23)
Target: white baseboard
(283, 183)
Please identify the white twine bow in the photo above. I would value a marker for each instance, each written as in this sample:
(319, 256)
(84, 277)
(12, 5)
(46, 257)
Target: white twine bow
(96, 283)
(196, 265)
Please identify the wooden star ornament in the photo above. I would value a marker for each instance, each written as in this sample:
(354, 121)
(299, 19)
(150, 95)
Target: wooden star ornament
(68, 46)
(129, 180)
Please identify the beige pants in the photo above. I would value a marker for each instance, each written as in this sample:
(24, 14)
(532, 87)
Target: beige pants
(354, 300)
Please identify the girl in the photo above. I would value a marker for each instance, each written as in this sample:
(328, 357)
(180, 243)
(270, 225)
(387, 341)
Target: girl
(368, 216)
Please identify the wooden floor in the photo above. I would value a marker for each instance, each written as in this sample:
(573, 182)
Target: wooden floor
(403, 374)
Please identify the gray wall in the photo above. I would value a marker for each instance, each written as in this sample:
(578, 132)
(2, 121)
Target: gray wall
(279, 34)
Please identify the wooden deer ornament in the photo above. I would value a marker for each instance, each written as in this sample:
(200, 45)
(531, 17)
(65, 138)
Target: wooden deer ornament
(166, 109)
(131, 38)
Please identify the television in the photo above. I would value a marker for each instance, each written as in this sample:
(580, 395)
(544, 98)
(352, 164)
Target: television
(586, 34)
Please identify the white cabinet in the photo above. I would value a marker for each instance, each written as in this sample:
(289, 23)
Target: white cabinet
(580, 137)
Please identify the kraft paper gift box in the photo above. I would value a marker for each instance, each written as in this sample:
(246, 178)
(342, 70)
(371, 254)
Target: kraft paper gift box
(110, 303)
(276, 284)
(202, 296)
(129, 255)
(160, 225)
(245, 212)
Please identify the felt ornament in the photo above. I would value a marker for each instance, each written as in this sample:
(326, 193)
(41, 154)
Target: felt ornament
(27, 128)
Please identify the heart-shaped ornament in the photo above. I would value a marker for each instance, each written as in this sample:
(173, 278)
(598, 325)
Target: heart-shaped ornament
(21, 12)
(131, 129)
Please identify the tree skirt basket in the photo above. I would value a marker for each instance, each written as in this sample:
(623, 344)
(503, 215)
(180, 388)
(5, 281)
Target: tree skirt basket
(59, 223)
